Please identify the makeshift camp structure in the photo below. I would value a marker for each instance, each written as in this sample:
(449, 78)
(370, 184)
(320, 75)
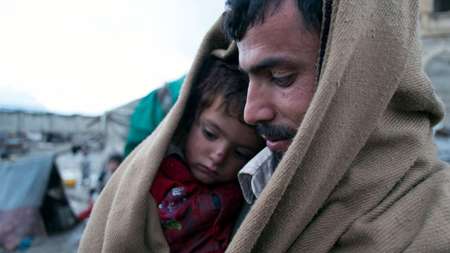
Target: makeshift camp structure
(32, 200)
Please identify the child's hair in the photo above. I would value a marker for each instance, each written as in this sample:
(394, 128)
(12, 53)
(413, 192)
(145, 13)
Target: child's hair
(217, 79)
(220, 79)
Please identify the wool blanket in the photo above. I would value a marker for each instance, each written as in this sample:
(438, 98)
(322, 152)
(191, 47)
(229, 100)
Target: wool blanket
(361, 174)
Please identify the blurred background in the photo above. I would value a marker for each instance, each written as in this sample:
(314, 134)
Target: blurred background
(83, 82)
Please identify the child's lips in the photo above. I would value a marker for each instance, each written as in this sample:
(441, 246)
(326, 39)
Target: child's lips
(208, 170)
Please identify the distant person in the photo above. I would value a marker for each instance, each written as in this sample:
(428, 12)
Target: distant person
(85, 165)
(111, 166)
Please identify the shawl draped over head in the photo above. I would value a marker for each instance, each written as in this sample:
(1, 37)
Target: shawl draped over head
(361, 174)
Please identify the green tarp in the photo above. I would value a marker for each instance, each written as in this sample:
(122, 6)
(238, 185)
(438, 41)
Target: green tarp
(150, 111)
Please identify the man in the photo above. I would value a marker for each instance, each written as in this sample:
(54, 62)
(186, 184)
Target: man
(279, 53)
(284, 53)
(348, 110)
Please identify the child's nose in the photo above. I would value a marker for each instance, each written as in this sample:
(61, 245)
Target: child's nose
(219, 154)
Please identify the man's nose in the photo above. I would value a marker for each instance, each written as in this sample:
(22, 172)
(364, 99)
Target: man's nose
(257, 107)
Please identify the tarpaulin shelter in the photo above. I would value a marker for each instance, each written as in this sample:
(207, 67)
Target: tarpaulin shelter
(32, 199)
(150, 111)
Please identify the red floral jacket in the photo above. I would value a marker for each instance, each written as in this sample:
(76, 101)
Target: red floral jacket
(195, 217)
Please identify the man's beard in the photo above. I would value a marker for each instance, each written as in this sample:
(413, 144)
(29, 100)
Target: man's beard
(274, 132)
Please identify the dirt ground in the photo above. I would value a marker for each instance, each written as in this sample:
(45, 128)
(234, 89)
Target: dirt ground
(66, 242)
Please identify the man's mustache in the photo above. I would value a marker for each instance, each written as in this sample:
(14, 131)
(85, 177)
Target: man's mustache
(275, 132)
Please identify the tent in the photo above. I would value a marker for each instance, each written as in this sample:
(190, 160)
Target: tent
(32, 200)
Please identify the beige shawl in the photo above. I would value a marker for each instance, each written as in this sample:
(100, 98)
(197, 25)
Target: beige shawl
(362, 173)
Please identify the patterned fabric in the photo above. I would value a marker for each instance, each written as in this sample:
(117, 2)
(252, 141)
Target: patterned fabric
(195, 217)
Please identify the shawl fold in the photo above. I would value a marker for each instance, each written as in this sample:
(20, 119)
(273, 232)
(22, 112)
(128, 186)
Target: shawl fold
(362, 173)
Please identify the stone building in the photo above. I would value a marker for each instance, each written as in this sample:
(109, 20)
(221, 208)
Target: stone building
(435, 33)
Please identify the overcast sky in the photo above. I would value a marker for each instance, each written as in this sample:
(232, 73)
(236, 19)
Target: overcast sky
(89, 56)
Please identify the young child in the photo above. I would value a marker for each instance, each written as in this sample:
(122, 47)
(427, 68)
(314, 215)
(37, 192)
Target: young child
(196, 187)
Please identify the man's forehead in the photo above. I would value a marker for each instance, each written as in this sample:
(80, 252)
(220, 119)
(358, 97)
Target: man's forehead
(259, 48)
(284, 20)
(276, 40)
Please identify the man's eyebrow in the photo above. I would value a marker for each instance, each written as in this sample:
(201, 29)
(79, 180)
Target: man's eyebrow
(268, 63)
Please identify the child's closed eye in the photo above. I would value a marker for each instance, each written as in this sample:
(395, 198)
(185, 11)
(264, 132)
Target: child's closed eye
(210, 135)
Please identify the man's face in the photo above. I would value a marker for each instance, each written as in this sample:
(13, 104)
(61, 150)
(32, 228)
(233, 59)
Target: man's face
(280, 58)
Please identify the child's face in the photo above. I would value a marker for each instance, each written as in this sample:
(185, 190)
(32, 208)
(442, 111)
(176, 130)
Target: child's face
(218, 145)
